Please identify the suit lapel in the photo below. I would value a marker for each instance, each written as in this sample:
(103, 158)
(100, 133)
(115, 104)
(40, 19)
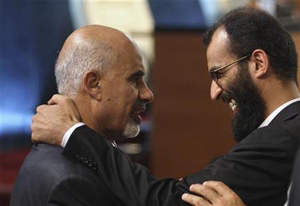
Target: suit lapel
(287, 113)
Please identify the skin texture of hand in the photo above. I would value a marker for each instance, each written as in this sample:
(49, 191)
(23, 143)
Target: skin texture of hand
(213, 193)
(52, 121)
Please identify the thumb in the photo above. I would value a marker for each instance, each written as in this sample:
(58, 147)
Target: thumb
(56, 98)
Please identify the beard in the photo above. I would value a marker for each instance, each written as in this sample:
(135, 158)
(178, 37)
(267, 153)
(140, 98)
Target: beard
(250, 105)
(132, 129)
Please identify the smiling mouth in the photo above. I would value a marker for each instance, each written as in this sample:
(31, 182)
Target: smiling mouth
(136, 115)
(232, 104)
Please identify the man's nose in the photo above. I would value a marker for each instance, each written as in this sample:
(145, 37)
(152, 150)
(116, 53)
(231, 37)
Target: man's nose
(146, 94)
(215, 91)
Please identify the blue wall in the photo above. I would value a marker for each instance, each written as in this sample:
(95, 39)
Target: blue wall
(31, 34)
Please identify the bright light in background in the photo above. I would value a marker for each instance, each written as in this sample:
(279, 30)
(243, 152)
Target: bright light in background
(15, 123)
(130, 16)
(30, 36)
(20, 89)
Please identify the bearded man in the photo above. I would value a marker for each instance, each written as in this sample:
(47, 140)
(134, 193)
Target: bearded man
(253, 65)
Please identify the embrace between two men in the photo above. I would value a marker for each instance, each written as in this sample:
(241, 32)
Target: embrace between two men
(253, 65)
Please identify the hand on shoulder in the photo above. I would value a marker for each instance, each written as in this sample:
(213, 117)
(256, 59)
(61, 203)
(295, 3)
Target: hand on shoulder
(212, 193)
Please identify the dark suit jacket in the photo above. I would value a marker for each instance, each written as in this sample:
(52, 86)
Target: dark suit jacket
(48, 178)
(258, 168)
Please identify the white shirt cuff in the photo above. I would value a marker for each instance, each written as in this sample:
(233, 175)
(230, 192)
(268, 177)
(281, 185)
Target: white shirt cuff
(69, 133)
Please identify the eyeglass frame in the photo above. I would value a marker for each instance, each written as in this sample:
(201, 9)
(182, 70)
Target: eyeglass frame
(214, 72)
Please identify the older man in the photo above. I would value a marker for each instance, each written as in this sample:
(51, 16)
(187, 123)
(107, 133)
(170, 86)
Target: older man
(253, 65)
(101, 69)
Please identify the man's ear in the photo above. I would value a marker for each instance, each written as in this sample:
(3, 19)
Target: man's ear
(262, 64)
(92, 84)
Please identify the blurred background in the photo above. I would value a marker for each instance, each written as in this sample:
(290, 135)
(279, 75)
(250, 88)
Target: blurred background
(182, 131)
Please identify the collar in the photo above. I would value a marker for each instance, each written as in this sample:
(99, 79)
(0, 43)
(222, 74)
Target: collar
(267, 121)
(114, 144)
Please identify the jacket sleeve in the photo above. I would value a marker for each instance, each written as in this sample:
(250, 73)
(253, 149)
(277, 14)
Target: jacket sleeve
(258, 169)
(131, 182)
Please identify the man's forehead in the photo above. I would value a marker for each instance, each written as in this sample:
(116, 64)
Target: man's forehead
(217, 51)
(219, 41)
(221, 32)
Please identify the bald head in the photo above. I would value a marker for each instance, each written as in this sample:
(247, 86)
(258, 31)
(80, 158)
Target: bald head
(92, 47)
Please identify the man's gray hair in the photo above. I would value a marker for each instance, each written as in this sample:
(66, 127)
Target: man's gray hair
(70, 69)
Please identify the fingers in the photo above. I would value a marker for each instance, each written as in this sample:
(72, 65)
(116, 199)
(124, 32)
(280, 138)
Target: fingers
(51, 122)
(67, 105)
(56, 99)
(223, 194)
(40, 108)
(207, 192)
(220, 187)
(33, 126)
(212, 193)
(32, 129)
(53, 100)
(194, 200)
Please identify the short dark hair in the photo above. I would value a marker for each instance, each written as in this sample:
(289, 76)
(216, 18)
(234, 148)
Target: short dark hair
(249, 29)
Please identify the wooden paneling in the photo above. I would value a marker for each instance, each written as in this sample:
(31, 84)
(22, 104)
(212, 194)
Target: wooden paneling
(297, 2)
(190, 130)
(296, 37)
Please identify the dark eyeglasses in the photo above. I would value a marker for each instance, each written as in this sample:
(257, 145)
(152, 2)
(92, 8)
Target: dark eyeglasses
(217, 73)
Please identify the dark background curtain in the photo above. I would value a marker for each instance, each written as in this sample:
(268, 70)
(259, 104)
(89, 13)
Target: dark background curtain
(31, 35)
